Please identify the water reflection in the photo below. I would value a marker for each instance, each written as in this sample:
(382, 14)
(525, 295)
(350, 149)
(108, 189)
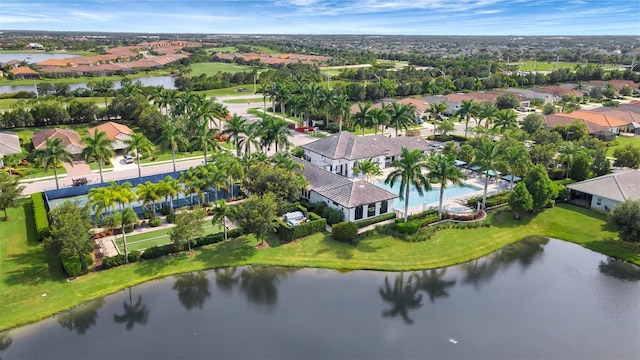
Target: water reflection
(259, 284)
(432, 283)
(5, 340)
(620, 269)
(524, 252)
(133, 313)
(192, 288)
(402, 297)
(81, 317)
(226, 278)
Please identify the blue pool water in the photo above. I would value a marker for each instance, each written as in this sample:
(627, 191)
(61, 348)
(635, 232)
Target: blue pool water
(429, 196)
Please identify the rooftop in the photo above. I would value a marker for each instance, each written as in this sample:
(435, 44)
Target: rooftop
(620, 186)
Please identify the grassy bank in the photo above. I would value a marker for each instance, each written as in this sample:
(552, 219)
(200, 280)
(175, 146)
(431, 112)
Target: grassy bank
(26, 274)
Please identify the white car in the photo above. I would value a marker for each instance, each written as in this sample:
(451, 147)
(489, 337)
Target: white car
(128, 159)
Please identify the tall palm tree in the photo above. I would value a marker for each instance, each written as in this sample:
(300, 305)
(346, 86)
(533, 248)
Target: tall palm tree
(102, 88)
(379, 118)
(101, 199)
(252, 134)
(172, 137)
(98, 148)
(148, 195)
(400, 115)
(123, 194)
(230, 165)
(139, 144)
(516, 161)
(468, 109)
(53, 155)
(235, 128)
(443, 169)
(487, 113)
(409, 172)
(368, 167)
(275, 131)
(220, 213)
(171, 188)
(341, 109)
(363, 116)
(437, 109)
(505, 119)
(488, 156)
(217, 179)
(123, 219)
(568, 151)
(205, 138)
(285, 161)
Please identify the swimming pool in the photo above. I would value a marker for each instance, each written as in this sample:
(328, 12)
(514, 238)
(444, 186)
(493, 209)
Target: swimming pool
(431, 196)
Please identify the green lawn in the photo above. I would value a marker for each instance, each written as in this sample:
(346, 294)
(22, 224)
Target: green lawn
(26, 272)
(165, 155)
(543, 66)
(159, 237)
(242, 101)
(6, 104)
(211, 68)
(223, 49)
(82, 79)
(622, 142)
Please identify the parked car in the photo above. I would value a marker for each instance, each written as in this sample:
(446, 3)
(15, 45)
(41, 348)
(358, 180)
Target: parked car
(128, 159)
(419, 121)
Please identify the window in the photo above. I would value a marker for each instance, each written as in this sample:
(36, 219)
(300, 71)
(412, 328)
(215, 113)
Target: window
(599, 201)
(384, 207)
(359, 212)
(305, 193)
(371, 211)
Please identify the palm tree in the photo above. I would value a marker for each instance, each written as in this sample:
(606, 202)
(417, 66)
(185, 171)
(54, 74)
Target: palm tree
(505, 119)
(488, 156)
(403, 296)
(98, 148)
(369, 168)
(103, 88)
(275, 131)
(252, 134)
(216, 178)
(234, 128)
(171, 187)
(436, 109)
(516, 161)
(230, 165)
(205, 138)
(172, 137)
(409, 171)
(341, 109)
(379, 117)
(487, 113)
(139, 144)
(443, 169)
(53, 155)
(400, 115)
(101, 199)
(284, 161)
(220, 213)
(123, 219)
(468, 109)
(568, 151)
(148, 195)
(363, 116)
(123, 194)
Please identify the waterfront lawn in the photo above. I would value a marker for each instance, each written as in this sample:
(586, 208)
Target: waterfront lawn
(84, 79)
(212, 68)
(160, 237)
(25, 275)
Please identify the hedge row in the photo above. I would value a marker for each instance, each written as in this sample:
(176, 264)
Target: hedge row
(499, 198)
(418, 216)
(40, 215)
(113, 261)
(344, 231)
(375, 220)
(72, 265)
(290, 233)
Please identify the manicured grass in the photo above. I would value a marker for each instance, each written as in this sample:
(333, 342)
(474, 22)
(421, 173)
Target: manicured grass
(25, 274)
(242, 101)
(622, 142)
(165, 155)
(159, 237)
(229, 91)
(211, 68)
(83, 79)
(543, 66)
(6, 104)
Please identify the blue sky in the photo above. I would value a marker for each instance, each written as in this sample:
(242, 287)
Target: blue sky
(386, 17)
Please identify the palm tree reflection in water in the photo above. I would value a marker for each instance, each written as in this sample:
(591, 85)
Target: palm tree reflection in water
(133, 313)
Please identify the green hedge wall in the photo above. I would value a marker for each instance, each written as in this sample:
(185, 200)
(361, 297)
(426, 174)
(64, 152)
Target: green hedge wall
(290, 233)
(499, 198)
(376, 219)
(40, 215)
(72, 265)
(344, 231)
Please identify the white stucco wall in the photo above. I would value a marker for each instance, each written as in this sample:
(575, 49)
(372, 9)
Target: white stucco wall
(347, 165)
(349, 213)
(604, 203)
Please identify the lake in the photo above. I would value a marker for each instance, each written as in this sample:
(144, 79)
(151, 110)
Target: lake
(32, 57)
(165, 81)
(538, 298)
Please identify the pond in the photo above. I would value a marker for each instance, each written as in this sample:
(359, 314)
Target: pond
(538, 298)
(165, 81)
(32, 57)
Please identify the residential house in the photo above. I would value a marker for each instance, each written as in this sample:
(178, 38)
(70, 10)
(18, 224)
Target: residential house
(605, 192)
(339, 152)
(24, 72)
(9, 144)
(357, 199)
(117, 133)
(70, 140)
(601, 125)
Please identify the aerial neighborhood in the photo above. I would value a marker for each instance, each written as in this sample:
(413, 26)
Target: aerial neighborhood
(126, 158)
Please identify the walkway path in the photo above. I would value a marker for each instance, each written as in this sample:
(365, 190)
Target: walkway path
(78, 168)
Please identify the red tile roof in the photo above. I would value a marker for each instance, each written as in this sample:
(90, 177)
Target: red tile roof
(112, 129)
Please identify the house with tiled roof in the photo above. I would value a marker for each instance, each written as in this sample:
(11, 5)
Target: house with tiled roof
(24, 72)
(605, 192)
(610, 122)
(339, 152)
(553, 120)
(70, 140)
(357, 199)
(9, 144)
(117, 133)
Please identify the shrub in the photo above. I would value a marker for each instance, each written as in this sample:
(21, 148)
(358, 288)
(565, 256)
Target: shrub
(410, 227)
(165, 210)
(499, 198)
(155, 222)
(287, 208)
(171, 218)
(72, 265)
(217, 237)
(333, 216)
(375, 220)
(112, 261)
(290, 233)
(148, 214)
(157, 251)
(40, 216)
(344, 231)
(418, 216)
(134, 256)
